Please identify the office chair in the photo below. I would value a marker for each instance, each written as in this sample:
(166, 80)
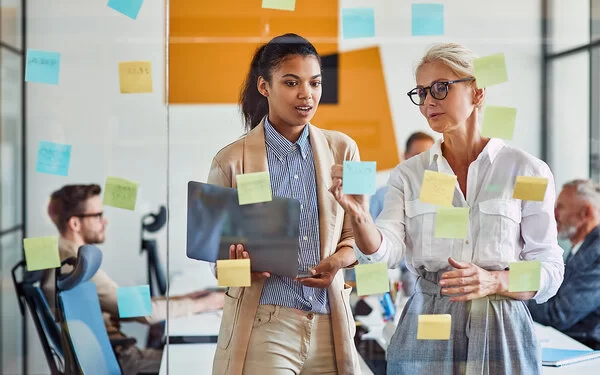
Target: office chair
(152, 223)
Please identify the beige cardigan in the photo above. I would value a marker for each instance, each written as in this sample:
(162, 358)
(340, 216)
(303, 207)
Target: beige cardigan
(248, 155)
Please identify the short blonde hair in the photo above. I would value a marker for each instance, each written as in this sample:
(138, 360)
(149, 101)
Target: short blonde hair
(455, 56)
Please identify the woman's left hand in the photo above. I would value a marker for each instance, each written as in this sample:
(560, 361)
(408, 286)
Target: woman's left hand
(468, 281)
(323, 274)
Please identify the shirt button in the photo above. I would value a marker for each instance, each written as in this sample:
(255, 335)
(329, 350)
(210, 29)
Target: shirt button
(305, 238)
(467, 242)
(293, 147)
(310, 316)
(301, 206)
(310, 298)
(295, 177)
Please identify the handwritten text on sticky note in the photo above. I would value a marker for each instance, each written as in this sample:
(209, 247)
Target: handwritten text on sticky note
(358, 23)
(524, 276)
(359, 177)
(233, 272)
(437, 188)
(451, 222)
(372, 279)
(279, 4)
(135, 77)
(41, 253)
(53, 158)
(130, 8)
(427, 19)
(42, 66)
(254, 188)
(434, 327)
(530, 188)
(120, 193)
(134, 301)
(490, 70)
(499, 122)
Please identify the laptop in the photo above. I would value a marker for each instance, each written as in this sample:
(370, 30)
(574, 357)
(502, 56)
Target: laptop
(561, 357)
(268, 230)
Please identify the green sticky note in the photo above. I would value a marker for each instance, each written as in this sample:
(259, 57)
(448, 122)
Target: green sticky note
(279, 4)
(437, 188)
(490, 70)
(41, 253)
(451, 222)
(499, 122)
(524, 276)
(372, 279)
(254, 188)
(120, 193)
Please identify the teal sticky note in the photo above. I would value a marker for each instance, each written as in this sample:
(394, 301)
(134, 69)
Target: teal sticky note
(359, 177)
(358, 23)
(427, 19)
(134, 301)
(42, 67)
(130, 8)
(53, 158)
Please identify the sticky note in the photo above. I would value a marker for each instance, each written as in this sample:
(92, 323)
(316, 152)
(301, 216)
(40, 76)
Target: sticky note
(499, 122)
(530, 188)
(41, 253)
(135, 77)
(524, 276)
(254, 188)
(120, 193)
(134, 301)
(427, 19)
(437, 188)
(434, 327)
(359, 177)
(279, 4)
(372, 279)
(358, 23)
(42, 67)
(451, 222)
(130, 8)
(490, 70)
(493, 188)
(233, 272)
(53, 158)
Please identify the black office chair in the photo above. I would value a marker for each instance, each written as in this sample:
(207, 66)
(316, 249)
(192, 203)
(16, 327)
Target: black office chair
(152, 223)
(29, 293)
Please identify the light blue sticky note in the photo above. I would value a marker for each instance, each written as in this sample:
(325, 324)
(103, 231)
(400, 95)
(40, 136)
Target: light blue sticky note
(53, 158)
(359, 177)
(42, 67)
(427, 19)
(130, 8)
(134, 301)
(358, 23)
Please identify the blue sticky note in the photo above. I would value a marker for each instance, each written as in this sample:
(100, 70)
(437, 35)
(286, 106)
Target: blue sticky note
(42, 67)
(358, 23)
(130, 8)
(427, 19)
(359, 177)
(53, 158)
(134, 301)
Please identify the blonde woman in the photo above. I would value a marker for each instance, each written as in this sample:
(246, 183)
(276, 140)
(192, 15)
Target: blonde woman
(491, 331)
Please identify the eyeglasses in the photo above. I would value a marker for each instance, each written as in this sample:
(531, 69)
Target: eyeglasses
(96, 215)
(439, 91)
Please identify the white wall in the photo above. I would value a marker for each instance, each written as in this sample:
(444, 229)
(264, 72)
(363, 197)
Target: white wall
(126, 136)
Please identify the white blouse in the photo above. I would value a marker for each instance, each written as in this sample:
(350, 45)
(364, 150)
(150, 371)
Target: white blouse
(501, 229)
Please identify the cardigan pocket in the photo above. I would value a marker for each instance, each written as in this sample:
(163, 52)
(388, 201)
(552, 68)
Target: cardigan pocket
(231, 309)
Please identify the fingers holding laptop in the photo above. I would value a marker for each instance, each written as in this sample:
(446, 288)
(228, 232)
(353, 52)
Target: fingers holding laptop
(239, 252)
(323, 274)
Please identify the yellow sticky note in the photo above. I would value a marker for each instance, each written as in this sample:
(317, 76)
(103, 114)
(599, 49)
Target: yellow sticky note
(279, 4)
(451, 222)
(437, 188)
(233, 272)
(530, 188)
(135, 77)
(499, 122)
(120, 193)
(490, 70)
(524, 276)
(41, 253)
(372, 279)
(254, 188)
(434, 327)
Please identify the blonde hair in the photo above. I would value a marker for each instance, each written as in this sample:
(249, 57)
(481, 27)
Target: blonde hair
(456, 57)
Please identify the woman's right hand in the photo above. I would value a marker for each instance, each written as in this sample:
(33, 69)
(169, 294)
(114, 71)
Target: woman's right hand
(354, 205)
(239, 252)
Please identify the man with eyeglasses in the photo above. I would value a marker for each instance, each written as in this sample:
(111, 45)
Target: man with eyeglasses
(76, 210)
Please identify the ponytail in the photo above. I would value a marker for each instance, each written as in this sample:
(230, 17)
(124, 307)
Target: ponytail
(254, 104)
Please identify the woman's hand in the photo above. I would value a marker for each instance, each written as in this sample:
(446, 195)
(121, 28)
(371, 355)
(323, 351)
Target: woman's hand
(239, 252)
(354, 205)
(468, 281)
(323, 273)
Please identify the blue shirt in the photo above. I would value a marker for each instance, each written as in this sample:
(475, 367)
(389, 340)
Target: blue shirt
(292, 171)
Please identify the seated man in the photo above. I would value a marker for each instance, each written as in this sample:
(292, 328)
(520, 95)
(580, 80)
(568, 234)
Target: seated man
(575, 309)
(76, 210)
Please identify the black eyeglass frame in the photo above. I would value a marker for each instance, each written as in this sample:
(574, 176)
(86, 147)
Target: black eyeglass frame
(445, 83)
(96, 214)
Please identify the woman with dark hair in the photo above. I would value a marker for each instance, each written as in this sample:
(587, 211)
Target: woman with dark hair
(281, 325)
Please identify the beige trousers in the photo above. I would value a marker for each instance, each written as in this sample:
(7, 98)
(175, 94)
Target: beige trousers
(288, 341)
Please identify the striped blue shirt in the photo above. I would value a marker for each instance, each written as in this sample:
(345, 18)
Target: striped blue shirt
(292, 170)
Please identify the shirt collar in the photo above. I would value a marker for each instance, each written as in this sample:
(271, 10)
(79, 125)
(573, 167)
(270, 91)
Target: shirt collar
(492, 149)
(282, 146)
